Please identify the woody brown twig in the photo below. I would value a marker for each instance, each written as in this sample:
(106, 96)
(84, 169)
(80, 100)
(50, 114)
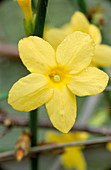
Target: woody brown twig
(20, 121)
(9, 51)
(6, 156)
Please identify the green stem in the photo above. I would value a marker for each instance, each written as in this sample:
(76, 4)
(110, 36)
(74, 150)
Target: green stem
(108, 94)
(3, 95)
(33, 130)
(40, 17)
(39, 27)
(33, 5)
(83, 7)
(33, 122)
(108, 97)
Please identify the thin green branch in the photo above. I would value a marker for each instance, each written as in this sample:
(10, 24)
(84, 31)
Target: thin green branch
(107, 91)
(40, 17)
(34, 131)
(83, 7)
(33, 5)
(3, 95)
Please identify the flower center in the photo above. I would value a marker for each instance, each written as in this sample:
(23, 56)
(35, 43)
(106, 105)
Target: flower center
(57, 78)
(55, 75)
(58, 75)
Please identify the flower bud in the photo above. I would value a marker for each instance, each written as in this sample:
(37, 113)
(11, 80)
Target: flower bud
(26, 8)
(22, 146)
(96, 15)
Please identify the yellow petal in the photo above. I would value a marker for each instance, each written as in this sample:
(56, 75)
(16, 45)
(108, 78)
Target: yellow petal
(55, 138)
(80, 136)
(30, 92)
(102, 55)
(91, 81)
(67, 28)
(36, 54)
(73, 158)
(95, 33)
(93, 64)
(54, 36)
(58, 138)
(62, 109)
(70, 137)
(108, 146)
(75, 51)
(26, 8)
(80, 22)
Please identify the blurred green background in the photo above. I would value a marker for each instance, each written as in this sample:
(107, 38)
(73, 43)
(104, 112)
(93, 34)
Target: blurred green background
(11, 31)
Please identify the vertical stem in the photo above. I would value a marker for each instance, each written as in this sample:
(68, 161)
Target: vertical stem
(108, 98)
(39, 27)
(40, 17)
(3, 95)
(33, 130)
(82, 6)
(33, 123)
(108, 94)
(33, 5)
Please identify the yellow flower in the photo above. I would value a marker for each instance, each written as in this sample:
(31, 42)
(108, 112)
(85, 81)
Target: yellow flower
(26, 8)
(79, 22)
(73, 156)
(108, 146)
(56, 77)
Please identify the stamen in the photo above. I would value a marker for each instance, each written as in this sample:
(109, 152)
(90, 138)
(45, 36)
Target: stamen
(57, 78)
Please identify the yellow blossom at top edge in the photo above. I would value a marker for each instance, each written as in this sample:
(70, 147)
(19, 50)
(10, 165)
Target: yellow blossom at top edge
(102, 55)
(56, 77)
(73, 156)
(79, 22)
(26, 8)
